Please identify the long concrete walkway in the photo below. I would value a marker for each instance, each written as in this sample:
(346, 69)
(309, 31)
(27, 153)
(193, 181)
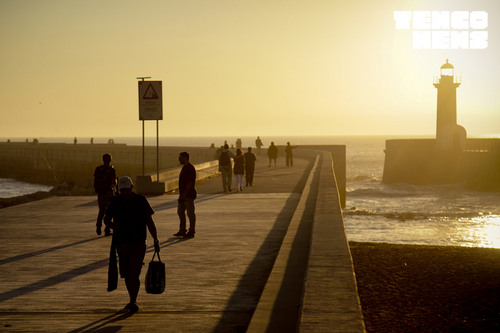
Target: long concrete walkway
(53, 267)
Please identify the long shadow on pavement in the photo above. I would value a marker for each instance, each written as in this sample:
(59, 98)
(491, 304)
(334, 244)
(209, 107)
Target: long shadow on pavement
(99, 325)
(286, 311)
(239, 310)
(63, 277)
(37, 253)
(173, 204)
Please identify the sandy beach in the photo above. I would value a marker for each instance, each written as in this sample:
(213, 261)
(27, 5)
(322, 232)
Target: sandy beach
(417, 288)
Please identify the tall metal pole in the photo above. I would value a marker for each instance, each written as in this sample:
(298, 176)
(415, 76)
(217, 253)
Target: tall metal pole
(143, 158)
(157, 152)
(143, 148)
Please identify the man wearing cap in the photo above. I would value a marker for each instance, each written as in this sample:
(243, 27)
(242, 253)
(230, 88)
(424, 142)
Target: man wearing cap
(129, 215)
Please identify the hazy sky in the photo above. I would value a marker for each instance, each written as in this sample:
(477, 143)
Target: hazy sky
(235, 67)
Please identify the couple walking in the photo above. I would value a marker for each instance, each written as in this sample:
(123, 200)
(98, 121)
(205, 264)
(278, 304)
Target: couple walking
(244, 164)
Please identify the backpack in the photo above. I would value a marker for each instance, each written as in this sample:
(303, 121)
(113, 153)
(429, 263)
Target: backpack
(224, 158)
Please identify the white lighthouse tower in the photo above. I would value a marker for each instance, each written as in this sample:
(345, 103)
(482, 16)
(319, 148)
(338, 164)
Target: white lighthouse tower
(449, 135)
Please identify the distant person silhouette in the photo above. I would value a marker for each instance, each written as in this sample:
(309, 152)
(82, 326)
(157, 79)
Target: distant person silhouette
(250, 160)
(91, 141)
(187, 195)
(130, 216)
(75, 140)
(238, 143)
(272, 153)
(239, 169)
(289, 154)
(225, 167)
(258, 144)
(104, 185)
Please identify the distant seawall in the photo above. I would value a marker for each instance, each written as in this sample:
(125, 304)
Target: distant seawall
(416, 161)
(51, 163)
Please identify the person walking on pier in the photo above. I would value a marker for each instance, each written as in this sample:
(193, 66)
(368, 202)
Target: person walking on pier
(226, 168)
(104, 185)
(239, 169)
(129, 215)
(250, 160)
(187, 195)
(258, 144)
(289, 154)
(272, 153)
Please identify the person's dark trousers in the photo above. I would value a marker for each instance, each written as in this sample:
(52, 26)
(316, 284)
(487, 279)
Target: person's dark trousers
(103, 202)
(227, 175)
(182, 208)
(249, 170)
(289, 161)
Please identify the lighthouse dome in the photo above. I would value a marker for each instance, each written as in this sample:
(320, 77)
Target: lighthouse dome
(447, 65)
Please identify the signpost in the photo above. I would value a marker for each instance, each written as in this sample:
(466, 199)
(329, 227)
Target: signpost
(150, 100)
(151, 108)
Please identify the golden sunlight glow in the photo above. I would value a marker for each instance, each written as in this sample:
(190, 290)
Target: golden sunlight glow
(484, 232)
(315, 68)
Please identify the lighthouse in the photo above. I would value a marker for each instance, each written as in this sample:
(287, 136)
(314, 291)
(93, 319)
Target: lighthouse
(449, 135)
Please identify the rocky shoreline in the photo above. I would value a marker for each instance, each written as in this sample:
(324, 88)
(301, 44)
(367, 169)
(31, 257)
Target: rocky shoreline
(80, 187)
(419, 288)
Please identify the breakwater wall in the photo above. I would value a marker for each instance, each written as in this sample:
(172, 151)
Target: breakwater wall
(416, 161)
(338, 156)
(51, 163)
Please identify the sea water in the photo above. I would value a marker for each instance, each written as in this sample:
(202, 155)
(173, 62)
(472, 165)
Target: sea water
(375, 212)
(12, 188)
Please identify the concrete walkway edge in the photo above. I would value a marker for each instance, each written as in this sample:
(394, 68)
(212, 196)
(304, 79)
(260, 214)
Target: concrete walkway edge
(265, 316)
(331, 302)
(321, 294)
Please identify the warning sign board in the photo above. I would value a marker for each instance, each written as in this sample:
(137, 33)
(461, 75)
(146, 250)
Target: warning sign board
(150, 100)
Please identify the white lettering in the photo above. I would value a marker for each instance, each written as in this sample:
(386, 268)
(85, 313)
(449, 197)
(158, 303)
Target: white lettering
(440, 20)
(402, 20)
(440, 40)
(422, 20)
(460, 39)
(444, 25)
(479, 39)
(460, 20)
(478, 20)
(421, 39)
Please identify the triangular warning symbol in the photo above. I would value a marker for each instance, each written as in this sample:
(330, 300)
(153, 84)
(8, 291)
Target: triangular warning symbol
(150, 93)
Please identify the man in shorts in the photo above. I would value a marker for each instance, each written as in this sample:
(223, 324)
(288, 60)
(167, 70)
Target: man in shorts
(129, 215)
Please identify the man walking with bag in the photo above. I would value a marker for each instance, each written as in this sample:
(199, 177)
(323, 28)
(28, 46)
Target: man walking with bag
(129, 215)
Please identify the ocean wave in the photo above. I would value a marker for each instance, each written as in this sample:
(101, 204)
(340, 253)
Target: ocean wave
(361, 178)
(381, 192)
(417, 216)
(376, 188)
